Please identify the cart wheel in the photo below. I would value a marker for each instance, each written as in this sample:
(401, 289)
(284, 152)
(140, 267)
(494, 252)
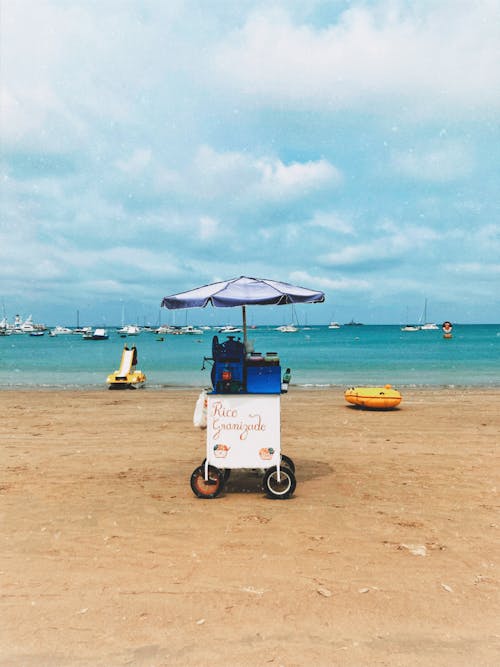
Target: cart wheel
(287, 462)
(282, 489)
(226, 471)
(209, 488)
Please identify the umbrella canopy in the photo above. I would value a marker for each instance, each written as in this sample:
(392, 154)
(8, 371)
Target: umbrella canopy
(243, 291)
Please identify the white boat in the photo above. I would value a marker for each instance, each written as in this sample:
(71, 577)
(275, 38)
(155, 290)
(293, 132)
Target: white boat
(20, 327)
(410, 327)
(97, 334)
(129, 330)
(334, 325)
(287, 328)
(168, 329)
(229, 330)
(60, 331)
(163, 329)
(190, 329)
(427, 326)
(5, 330)
(291, 327)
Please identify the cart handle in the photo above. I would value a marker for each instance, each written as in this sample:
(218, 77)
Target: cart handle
(206, 359)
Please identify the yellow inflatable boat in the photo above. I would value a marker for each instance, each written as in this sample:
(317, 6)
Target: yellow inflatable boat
(378, 398)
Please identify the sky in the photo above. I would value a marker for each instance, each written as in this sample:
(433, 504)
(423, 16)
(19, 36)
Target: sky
(149, 147)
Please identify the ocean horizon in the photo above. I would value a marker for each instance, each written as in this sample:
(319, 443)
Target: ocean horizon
(318, 357)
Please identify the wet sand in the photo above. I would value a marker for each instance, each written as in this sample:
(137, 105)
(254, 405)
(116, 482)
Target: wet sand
(387, 554)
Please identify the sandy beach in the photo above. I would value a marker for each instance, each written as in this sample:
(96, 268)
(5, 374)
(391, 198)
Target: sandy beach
(387, 554)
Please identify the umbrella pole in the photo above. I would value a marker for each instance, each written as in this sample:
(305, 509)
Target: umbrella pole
(244, 309)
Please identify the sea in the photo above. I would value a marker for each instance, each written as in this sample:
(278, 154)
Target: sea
(369, 355)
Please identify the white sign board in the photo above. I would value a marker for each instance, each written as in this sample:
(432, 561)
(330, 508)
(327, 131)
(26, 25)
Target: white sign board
(243, 431)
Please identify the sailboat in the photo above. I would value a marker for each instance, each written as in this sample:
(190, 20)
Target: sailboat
(427, 326)
(410, 327)
(289, 328)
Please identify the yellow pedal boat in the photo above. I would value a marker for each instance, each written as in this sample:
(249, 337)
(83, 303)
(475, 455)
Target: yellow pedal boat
(378, 398)
(127, 376)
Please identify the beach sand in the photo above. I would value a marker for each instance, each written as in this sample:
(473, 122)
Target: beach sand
(387, 554)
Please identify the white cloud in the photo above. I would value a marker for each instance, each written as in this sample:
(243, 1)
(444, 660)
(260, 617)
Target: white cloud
(479, 269)
(220, 173)
(392, 246)
(137, 162)
(208, 228)
(71, 68)
(332, 222)
(342, 284)
(279, 181)
(440, 55)
(265, 178)
(440, 163)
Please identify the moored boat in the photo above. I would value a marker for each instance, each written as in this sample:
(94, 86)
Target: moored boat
(287, 328)
(4, 328)
(60, 331)
(378, 398)
(96, 334)
(229, 329)
(426, 325)
(129, 330)
(190, 329)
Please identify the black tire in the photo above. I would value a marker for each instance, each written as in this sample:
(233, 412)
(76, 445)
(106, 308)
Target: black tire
(226, 471)
(282, 489)
(207, 488)
(287, 462)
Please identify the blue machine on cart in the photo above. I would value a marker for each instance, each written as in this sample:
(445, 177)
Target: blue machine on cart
(235, 372)
(228, 371)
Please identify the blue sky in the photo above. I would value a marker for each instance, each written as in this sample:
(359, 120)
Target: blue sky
(149, 147)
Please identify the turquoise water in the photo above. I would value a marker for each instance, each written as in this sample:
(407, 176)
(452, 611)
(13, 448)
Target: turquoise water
(318, 356)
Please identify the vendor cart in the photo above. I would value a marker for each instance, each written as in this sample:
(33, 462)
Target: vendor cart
(243, 405)
(243, 421)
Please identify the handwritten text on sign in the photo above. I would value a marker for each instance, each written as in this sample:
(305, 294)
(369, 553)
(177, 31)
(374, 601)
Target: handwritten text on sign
(219, 414)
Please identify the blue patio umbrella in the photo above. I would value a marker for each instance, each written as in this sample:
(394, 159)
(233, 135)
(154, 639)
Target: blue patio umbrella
(243, 291)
